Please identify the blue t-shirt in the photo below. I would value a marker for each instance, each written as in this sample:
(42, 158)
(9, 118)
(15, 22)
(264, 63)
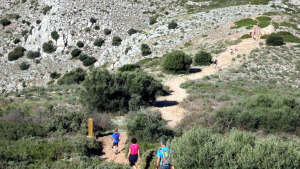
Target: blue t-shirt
(116, 140)
(161, 155)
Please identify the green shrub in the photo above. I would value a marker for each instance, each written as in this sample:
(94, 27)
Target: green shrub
(244, 22)
(97, 27)
(87, 30)
(74, 77)
(33, 54)
(107, 31)
(48, 47)
(75, 52)
(203, 58)
(246, 36)
(93, 20)
(24, 66)
(121, 91)
(116, 41)
(80, 44)
(289, 37)
(172, 25)
(205, 149)
(177, 62)
(148, 127)
(270, 113)
(129, 67)
(153, 20)
(5, 22)
(16, 54)
(17, 40)
(99, 42)
(145, 50)
(263, 19)
(274, 40)
(264, 24)
(83, 57)
(46, 9)
(89, 61)
(55, 75)
(132, 31)
(54, 35)
(38, 21)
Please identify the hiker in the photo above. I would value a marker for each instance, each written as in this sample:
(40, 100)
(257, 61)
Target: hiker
(250, 33)
(134, 153)
(254, 37)
(235, 49)
(215, 62)
(116, 140)
(164, 157)
(231, 51)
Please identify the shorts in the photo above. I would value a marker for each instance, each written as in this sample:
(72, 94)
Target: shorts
(164, 167)
(116, 144)
(133, 159)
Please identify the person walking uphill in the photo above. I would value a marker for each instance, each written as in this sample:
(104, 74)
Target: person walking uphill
(134, 153)
(164, 157)
(116, 140)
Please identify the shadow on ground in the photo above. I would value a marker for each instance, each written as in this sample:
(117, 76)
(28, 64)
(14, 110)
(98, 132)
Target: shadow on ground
(165, 103)
(195, 70)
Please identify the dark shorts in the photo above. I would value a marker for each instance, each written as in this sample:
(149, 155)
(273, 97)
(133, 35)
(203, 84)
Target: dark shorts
(164, 167)
(133, 159)
(116, 144)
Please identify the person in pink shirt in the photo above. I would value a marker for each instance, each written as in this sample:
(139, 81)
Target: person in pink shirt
(134, 153)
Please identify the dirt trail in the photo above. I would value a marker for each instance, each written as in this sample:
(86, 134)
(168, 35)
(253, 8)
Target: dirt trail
(108, 154)
(169, 106)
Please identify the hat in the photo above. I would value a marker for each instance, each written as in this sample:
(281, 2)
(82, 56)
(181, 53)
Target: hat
(163, 142)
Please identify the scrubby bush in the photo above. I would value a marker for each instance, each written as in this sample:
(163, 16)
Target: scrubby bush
(172, 25)
(132, 31)
(270, 113)
(80, 44)
(152, 20)
(116, 41)
(129, 67)
(83, 57)
(16, 54)
(74, 77)
(89, 61)
(97, 27)
(274, 40)
(38, 21)
(5, 22)
(54, 35)
(107, 31)
(148, 127)
(203, 58)
(55, 75)
(17, 40)
(93, 20)
(99, 42)
(105, 91)
(46, 9)
(24, 66)
(75, 52)
(246, 36)
(177, 62)
(33, 54)
(48, 47)
(201, 148)
(145, 50)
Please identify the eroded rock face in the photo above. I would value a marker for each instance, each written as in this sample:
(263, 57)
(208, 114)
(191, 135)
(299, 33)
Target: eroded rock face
(71, 19)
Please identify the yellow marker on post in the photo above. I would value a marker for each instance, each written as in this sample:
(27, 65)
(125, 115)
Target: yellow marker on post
(90, 128)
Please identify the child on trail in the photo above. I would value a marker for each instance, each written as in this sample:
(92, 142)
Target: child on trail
(116, 140)
(164, 157)
(134, 153)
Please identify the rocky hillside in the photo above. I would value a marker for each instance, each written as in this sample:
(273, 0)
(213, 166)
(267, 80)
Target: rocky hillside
(33, 22)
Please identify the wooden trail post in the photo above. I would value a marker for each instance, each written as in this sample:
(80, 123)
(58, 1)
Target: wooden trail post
(90, 128)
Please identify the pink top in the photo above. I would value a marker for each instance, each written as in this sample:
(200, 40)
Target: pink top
(134, 148)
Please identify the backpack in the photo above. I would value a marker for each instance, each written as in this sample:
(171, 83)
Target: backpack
(117, 135)
(166, 160)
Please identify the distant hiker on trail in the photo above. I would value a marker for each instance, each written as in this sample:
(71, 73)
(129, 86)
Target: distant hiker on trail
(235, 48)
(164, 160)
(254, 37)
(116, 140)
(215, 63)
(231, 51)
(250, 33)
(134, 153)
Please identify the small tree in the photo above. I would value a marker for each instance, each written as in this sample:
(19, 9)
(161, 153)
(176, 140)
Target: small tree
(33, 55)
(55, 75)
(83, 57)
(80, 44)
(202, 58)
(177, 62)
(145, 50)
(46, 9)
(54, 35)
(74, 77)
(24, 66)
(89, 61)
(93, 20)
(107, 31)
(48, 47)
(116, 41)
(17, 40)
(16, 54)
(99, 42)
(97, 27)
(75, 52)
(172, 25)
(274, 40)
(129, 67)
(132, 31)
(5, 22)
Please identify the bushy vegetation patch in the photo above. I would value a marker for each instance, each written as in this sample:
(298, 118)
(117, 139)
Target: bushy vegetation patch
(132, 31)
(93, 20)
(33, 54)
(17, 40)
(177, 62)
(172, 25)
(263, 19)
(116, 41)
(16, 54)
(99, 42)
(107, 31)
(74, 77)
(290, 25)
(129, 67)
(153, 20)
(264, 24)
(244, 22)
(289, 37)
(49, 47)
(203, 58)
(5, 22)
(46, 9)
(55, 75)
(145, 50)
(148, 127)
(76, 52)
(274, 40)
(89, 61)
(83, 57)
(121, 91)
(54, 35)
(205, 149)
(24, 66)
(246, 36)
(80, 44)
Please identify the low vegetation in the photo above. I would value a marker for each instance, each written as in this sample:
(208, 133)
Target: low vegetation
(16, 54)
(49, 47)
(74, 77)
(129, 67)
(116, 41)
(76, 52)
(54, 35)
(274, 40)
(89, 61)
(5, 22)
(202, 58)
(177, 62)
(80, 44)
(24, 66)
(145, 50)
(244, 22)
(99, 42)
(33, 54)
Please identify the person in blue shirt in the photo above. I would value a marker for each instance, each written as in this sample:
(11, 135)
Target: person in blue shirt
(116, 140)
(163, 157)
